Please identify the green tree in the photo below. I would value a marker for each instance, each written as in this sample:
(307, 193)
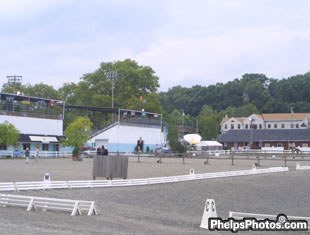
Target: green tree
(9, 135)
(209, 123)
(173, 136)
(132, 81)
(77, 132)
(41, 90)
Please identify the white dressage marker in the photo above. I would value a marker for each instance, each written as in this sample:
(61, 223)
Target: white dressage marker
(209, 212)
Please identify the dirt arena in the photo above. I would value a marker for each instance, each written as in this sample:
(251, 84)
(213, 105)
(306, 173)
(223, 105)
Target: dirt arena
(174, 208)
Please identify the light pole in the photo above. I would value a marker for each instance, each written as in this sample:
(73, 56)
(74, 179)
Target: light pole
(251, 131)
(112, 76)
(183, 122)
(15, 81)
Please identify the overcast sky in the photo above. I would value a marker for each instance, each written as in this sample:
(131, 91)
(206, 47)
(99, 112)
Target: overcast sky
(186, 42)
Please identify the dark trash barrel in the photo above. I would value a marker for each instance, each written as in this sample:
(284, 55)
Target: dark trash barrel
(110, 166)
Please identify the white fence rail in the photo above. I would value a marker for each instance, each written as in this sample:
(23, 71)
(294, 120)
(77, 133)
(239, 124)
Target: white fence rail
(42, 154)
(76, 207)
(39, 185)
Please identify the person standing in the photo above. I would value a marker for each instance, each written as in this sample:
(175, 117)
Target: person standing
(140, 143)
(27, 154)
(37, 154)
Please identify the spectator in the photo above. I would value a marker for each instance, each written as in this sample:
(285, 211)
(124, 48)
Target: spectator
(140, 143)
(104, 151)
(98, 151)
(27, 154)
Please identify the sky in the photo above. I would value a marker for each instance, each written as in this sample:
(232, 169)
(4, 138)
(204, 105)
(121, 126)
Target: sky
(187, 43)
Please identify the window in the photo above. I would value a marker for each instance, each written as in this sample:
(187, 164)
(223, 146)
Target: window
(304, 145)
(239, 126)
(26, 146)
(279, 145)
(260, 126)
(225, 126)
(269, 126)
(267, 145)
(3, 147)
(232, 126)
(297, 125)
(282, 125)
(246, 126)
(45, 147)
(292, 125)
(275, 125)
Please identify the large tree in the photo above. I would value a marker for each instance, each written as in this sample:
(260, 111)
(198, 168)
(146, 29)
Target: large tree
(131, 84)
(9, 135)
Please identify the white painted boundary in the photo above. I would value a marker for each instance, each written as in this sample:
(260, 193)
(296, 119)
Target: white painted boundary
(299, 167)
(76, 207)
(39, 185)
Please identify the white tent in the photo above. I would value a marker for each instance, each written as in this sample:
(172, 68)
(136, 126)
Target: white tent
(209, 145)
(192, 138)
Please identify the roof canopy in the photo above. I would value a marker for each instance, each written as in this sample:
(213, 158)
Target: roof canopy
(209, 143)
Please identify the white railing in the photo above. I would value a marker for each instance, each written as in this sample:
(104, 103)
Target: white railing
(39, 185)
(42, 154)
(76, 207)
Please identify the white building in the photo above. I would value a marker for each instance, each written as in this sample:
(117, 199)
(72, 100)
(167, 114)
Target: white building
(39, 121)
(123, 135)
(267, 121)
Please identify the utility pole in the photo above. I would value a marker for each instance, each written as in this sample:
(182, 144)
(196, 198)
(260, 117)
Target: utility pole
(15, 81)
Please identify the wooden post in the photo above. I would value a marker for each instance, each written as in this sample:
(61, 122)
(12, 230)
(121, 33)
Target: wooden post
(184, 158)
(285, 161)
(257, 157)
(232, 158)
(207, 158)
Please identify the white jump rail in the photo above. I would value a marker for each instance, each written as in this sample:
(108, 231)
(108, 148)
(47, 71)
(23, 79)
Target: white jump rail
(76, 207)
(241, 215)
(39, 185)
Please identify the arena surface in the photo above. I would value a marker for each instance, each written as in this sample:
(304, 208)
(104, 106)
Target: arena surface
(174, 208)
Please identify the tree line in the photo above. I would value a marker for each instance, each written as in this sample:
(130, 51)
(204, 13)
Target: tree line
(136, 87)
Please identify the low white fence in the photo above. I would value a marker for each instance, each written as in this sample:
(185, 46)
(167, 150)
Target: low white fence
(76, 207)
(42, 154)
(39, 185)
